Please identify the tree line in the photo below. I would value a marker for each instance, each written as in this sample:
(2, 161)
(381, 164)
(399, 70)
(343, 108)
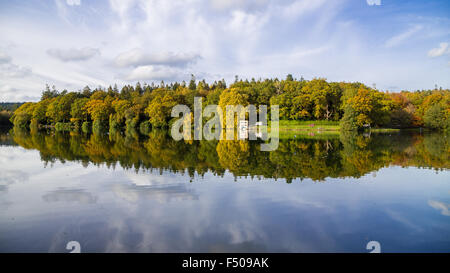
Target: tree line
(147, 106)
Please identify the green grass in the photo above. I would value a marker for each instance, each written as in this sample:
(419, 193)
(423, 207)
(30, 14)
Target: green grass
(309, 125)
(316, 129)
(303, 134)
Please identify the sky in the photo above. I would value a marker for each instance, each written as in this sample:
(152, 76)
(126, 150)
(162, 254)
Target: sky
(391, 44)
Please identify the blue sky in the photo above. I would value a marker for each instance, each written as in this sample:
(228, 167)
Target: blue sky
(72, 43)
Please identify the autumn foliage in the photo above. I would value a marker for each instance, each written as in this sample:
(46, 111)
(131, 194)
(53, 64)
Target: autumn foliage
(356, 105)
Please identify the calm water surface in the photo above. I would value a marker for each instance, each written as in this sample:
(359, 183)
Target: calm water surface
(134, 193)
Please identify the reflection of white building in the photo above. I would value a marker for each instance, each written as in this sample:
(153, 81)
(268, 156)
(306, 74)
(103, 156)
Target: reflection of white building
(243, 129)
(258, 132)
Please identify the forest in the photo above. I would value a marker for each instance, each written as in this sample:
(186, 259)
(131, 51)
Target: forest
(354, 105)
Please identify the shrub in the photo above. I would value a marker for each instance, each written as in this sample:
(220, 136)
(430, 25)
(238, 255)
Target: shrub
(113, 124)
(22, 120)
(99, 126)
(145, 127)
(131, 123)
(86, 127)
(76, 123)
(61, 126)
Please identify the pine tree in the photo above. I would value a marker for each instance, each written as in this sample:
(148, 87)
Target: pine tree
(192, 85)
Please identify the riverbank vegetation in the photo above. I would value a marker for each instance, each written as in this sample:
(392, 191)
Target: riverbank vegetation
(303, 104)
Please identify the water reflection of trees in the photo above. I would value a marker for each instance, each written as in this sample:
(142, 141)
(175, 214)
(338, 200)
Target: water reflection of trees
(344, 156)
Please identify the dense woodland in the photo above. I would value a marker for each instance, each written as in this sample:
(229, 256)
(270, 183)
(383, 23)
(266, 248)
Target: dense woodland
(146, 106)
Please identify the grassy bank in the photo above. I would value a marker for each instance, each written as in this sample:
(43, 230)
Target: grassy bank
(303, 134)
(309, 125)
(319, 129)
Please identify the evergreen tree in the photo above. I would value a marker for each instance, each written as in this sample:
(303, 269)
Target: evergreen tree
(192, 84)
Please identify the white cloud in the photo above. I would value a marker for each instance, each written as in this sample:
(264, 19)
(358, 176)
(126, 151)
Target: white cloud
(156, 73)
(137, 57)
(373, 2)
(72, 54)
(73, 2)
(239, 4)
(7, 88)
(215, 39)
(4, 58)
(402, 37)
(11, 70)
(9, 93)
(439, 51)
(298, 8)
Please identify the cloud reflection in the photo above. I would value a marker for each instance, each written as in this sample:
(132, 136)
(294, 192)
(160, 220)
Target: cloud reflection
(70, 195)
(444, 208)
(160, 188)
(9, 177)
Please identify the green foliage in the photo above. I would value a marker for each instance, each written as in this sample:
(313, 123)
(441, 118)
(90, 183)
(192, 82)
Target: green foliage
(23, 115)
(64, 107)
(113, 124)
(39, 113)
(99, 126)
(232, 96)
(298, 100)
(78, 111)
(213, 97)
(318, 91)
(86, 127)
(348, 121)
(145, 127)
(98, 109)
(51, 112)
(131, 124)
(10, 106)
(159, 110)
(192, 84)
(61, 126)
(400, 118)
(48, 94)
(366, 107)
(308, 125)
(121, 110)
(435, 117)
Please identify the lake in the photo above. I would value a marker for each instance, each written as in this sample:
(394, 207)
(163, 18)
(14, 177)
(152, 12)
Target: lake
(132, 193)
